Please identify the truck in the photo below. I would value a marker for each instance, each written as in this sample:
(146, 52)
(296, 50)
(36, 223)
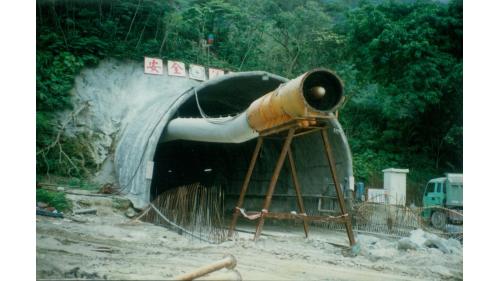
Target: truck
(441, 194)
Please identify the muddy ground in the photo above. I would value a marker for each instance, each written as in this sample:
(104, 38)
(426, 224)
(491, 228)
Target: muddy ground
(108, 246)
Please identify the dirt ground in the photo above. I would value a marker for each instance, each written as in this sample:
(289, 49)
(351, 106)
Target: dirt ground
(108, 246)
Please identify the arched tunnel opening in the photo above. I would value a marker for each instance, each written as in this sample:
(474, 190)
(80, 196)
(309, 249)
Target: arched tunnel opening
(224, 165)
(184, 156)
(213, 165)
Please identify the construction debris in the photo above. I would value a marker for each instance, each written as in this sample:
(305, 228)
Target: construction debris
(192, 209)
(54, 214)
(89, 211)
(108, 188)
(109, 245)
(77, 273)
(393, 221)
(130, 213)
(44, 209)
(228, 261)
(420, 239)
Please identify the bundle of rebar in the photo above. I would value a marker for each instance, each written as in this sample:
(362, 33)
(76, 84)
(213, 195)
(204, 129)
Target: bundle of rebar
(194, 210)
(390, 220)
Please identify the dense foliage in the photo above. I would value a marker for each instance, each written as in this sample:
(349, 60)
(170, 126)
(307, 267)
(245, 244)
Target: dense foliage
(401, 62)
(53, 199)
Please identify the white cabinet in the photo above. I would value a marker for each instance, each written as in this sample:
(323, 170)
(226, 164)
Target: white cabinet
(395, 184)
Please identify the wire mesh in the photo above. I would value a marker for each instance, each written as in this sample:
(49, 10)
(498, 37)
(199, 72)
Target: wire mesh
(193, 209)
(396, 220)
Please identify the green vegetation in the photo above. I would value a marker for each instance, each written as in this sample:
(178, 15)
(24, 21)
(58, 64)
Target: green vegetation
(401, 62)
(54, 199)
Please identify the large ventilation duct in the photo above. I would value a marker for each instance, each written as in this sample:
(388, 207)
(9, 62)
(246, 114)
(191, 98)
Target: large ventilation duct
(213, 151)
(316, 93)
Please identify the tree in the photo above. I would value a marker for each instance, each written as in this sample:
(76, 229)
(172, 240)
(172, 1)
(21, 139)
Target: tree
(408, 67)
(401, 63)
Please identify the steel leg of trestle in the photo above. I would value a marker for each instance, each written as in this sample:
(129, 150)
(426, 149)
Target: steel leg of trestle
(244, 188)
(340, 195)
(274, 180)
(300, 201)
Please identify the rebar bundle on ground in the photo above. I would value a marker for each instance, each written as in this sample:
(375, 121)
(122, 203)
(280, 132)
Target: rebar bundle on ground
(393, 220)
(193, 209)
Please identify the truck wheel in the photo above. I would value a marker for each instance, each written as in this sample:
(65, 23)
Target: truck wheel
(438, 219)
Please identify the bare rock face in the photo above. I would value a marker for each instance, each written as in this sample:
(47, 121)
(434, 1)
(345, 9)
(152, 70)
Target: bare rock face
(110, 97)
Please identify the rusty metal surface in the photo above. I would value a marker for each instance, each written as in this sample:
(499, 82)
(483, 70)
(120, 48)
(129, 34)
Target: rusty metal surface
(304, 96)
(296, 184)
(253, 215)
(393, 221)
(245, 186)
(298, 124)
(338, 190)
(292, 126)
(191, 209)
(290, 216)
(274, 179)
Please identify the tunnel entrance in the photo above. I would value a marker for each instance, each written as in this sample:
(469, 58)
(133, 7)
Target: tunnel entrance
(219, 169)
(179, 163)
(182, 163)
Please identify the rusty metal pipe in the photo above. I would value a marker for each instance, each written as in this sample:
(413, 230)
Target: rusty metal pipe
(316, 93)
(228, 261)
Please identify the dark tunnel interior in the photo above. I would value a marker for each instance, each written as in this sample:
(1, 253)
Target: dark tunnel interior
(179, 163)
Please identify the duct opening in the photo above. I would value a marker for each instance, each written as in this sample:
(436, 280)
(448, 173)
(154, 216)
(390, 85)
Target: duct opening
(322, 90)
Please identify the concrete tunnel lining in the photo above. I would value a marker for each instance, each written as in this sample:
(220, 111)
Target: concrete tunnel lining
(229, 94)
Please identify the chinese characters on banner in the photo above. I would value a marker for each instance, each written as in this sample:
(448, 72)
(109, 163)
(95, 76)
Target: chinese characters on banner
(197, 72)
(215, 72)
(153, 66)
(176, 68)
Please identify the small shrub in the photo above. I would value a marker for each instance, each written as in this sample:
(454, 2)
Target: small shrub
(82, 184)
(55, 199)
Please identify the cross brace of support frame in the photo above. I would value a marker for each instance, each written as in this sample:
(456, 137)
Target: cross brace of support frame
(292, 129)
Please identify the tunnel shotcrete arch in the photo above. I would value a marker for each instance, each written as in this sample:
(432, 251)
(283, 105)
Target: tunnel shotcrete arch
(183, 162)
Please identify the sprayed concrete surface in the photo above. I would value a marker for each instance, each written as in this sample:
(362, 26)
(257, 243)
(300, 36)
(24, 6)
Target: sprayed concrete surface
(108, 246)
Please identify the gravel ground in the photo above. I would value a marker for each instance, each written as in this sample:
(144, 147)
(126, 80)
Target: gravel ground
(108, 246)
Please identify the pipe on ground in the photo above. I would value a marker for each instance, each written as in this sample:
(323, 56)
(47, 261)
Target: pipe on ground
(316, 93)
(228, 261)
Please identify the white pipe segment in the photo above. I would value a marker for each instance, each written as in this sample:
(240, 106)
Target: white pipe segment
(316, 93)
(220, 130)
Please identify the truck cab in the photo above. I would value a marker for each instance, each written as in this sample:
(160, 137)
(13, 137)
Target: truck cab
(445, 192)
